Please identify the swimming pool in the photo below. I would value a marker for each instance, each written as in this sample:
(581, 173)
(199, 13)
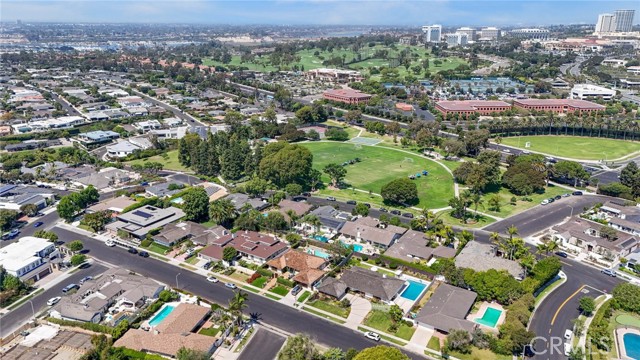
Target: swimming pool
(632, 345)
(161, 315)
(319, 253)
(357, 248)
(322, 238)
(413, 291)
(490, 317)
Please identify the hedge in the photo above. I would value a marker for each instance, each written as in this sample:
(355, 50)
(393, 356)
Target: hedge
(409, 264)
(83, 325)
(265, 272)
(286, 282)
(139, 355)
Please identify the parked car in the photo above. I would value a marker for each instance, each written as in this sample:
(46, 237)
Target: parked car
(230, 285)
(568, 334)
(609, 272)
(143, 254)
(306, 194)
(132, 251)
(551, 200)
(371, 335)
(367, 205)
(577, 193)
(296, 289)
(351, 202)
(85, 279)
(13, 233)
(70, 287)
(299, 198)
(544, 202)
(558, 197)
(566, 195)
(331, 198)
(38, 224)
(395, 212)
(110, 243)
(213, 279)
(562, 254)
(206, 265)
(408, 215)
(383, 210)
(53, 300)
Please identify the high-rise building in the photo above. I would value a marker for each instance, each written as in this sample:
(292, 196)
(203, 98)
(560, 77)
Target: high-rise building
(606, 23)
(457, 39)
(432, 33)
(624, 20)
(471, 32)
(490, 33)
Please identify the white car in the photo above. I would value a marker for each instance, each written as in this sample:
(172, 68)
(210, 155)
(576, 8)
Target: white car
(568, 334)
(110, 243)
(53, 301)
(371, 335)
(212, 279)
(544, 202)
(231, 285)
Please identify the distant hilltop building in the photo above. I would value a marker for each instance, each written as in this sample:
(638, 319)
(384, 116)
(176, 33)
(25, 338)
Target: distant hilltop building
(457, 39)
(619, 21)
(432, 33)
(471, 32)
(490, 33)
(537, 34)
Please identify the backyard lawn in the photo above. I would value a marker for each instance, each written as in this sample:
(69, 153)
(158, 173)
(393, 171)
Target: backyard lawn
(171, 163)
(381, 320)
(379, 165)
(330, 307)
(576, 147)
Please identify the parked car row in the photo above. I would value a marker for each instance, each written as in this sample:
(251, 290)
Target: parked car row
(558, 197)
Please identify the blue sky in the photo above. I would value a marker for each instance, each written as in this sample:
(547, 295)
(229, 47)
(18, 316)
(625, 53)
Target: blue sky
(329, 12)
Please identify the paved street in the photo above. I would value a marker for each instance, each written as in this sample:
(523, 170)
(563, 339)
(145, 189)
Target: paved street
(17, 317)
(265, 345)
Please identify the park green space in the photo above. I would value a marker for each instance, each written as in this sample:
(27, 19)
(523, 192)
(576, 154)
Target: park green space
(507, 209)
(170, 162)
(379, 165)
(473, 221)
(381, 321)
(575, 147)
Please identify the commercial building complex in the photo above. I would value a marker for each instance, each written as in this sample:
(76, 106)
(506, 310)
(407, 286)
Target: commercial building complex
(624, 20)
(471, 32)
(537, 34)
(482, 107)
(432, 33)
(490, 33)
(457, 39)
(606, 23)
(558, 105)
(588, 91)
(347, 96)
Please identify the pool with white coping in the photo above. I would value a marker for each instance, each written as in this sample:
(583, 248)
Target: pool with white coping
(161, 314)
(628, 343)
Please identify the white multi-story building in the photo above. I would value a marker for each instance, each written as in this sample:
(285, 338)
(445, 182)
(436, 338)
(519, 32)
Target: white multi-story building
(588, 91)
(490, 33)
(471, 32)
(28, 258)
(538, 34)
(606, 23)
(624, 20)
(432, 33)
(457, 39)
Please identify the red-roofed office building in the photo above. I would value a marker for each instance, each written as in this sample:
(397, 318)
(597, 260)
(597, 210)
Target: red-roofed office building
(348, 96)
(558, 105)
(482, 107)
(252, 246)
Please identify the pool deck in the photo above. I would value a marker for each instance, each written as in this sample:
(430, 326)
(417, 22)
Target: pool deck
(146, 323)
(407, 304)
(483, 307)
(620, 332)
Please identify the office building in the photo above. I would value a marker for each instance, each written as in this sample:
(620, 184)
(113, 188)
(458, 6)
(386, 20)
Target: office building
(536, 34)
(471, 33)
(432, 33)
(624, 20)
(606, 23)
(468, 107)
(490, 33)
(457, 39)
(588, 91)
(558, 105)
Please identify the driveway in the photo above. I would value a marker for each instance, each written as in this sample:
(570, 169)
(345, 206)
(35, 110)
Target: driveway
(360, 307)
(264, 345)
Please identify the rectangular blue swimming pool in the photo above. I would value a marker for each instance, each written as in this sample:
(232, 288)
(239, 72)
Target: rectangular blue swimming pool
(490, 317)
(632, 345)
(413, 291)
(161, 315)
(322, 238)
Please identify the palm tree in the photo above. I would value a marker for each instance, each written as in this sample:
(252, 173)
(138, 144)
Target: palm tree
(477, 200)
(527, 261)
(425, 219)
(222, 211)
(498, 242)
(512, 230)
(293, 217)
(547, 246)
(312, 220)
(237, 303)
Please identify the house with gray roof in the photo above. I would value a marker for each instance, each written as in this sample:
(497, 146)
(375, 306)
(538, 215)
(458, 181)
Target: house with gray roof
(447, 309)
(137, 223)
(370, 230)
(369, 283)
(622, 216)
(413, 246)
(242, 201)
(482, 257)
(332, 287)
(97, 137)
(331, 220)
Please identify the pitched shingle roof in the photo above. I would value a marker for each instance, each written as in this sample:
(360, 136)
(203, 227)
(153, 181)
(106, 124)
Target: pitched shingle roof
(447, 309)
(370, 282)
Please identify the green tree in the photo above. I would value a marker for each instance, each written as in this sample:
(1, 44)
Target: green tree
(459, 340)
(495, 202)
(299, 347)
(459, 205)
(75, 246)
(7, 217)
(96, 221)
(229, 253)
(396, 313)
(49, 235)
(78, 259)
(29, 209)
(196, 204)
(400, 191)
(608, 233)
(360, 209)
(626, 296)
(222, 211)
(336, 172)
(571, 170)
(67, 209)
(381, 352)
(191, 354)
(293, 189)
(587, 305)
(274, 221)
(284, 163)
(336, 134)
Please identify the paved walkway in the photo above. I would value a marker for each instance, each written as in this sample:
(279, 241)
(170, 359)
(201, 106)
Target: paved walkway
(268, 285)
(420, 339)
(360, 307)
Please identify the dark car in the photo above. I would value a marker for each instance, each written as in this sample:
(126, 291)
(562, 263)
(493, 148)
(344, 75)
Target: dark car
(577, 193)
(296, 290)
(551, 200)
(367, 205)
(395, 212)
(299, 198)
(562, 254)
(144, 254)
(383, 210)
(306, 194)
(558, 197)
(351, 202)
(408, 215)
(38, 224)
(132, 251)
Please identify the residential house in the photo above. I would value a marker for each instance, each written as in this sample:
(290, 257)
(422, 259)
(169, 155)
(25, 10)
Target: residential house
(251, 246)
(622, 217)
(447, 309)
(163, 190)
(331, 220)
(243, 201)
(175, 233)
(370, 283)
(372, 231)
(413, 246)
(299, 208)
(306, 269)
(105, 178)
(210, 235)
(116, 205)
(13, 197)
(122, 149)
(97, 137)
(482, 257)
(137, 223)
(29, 258)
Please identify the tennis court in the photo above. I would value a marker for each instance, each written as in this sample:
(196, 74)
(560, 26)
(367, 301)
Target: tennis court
(365, 141)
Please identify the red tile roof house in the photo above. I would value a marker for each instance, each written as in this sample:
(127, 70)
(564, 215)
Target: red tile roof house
(308, 269)
(251, 246)
(558, 105)
(482, 107)
(348, 96)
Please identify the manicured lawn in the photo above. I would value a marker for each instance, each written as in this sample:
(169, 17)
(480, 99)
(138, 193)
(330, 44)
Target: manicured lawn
(379, 165)
(239, 276)
(628, 319)
(506, 209)
(311, 310)
(434, 343)
(192, 260)
(272, 297)
(353, 132)
(209, 224)
(171, 163)
(473, 221)
(576, 147)
(380, 269)
(280, 290)
(157, 248)
(249, 288)
(304, 296)
(210, 331)
(484, 354)
(259, 282)
(330, 307)
(381, 320)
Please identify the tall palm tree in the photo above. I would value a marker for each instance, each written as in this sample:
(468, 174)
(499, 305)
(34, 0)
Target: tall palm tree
(512, 230)
(293, 217)
(222, 211)
(527, 261)
(547, 246)
(237, 303)
(312, 220)
(497, 241)
(426, 218)
(476, 199)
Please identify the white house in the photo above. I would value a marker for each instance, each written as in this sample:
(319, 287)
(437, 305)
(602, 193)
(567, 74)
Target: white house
(28, 258)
